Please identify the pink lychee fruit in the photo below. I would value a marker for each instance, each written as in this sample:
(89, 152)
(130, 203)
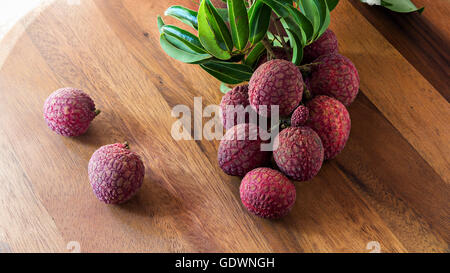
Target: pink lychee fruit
(335, 76)
(69, 111)
(300, 116)
(300, 153)
(279, 52)
(267, 193)
(116, 173)
(326, 44)
(331, 120)
(277, 82)
(233, 106)
(240, 150)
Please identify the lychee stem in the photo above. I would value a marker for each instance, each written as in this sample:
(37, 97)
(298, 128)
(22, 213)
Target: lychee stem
(277, 28)
(127, 146)
(307, 67)
(97, 112)
(270, 53)
(307, 94)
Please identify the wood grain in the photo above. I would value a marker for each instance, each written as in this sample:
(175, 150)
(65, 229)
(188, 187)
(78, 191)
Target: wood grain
(424, 40)
(389, 185)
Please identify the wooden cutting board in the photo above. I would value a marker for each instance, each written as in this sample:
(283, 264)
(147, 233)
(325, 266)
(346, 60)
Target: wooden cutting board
(389, 186)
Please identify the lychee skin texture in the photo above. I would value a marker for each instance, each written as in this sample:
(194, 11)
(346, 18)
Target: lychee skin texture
(277, 82)
(237, 97)
(336, 76)
(300, 116)
(331, 120)
(69, 112)
(267, 193)
(300, 153)
(240, 150)
(326, 44)
(116, 173)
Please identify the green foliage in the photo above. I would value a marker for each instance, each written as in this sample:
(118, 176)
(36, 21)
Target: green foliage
(403, 6)
(229, 42)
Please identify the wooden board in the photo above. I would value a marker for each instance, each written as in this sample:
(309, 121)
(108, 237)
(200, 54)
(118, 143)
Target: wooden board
(390, 185)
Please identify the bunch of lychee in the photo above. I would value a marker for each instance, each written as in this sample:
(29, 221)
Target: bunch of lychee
(314, 124)
(115, 172)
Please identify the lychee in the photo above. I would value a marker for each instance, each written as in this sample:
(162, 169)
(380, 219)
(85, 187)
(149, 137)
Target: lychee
(116, 173)
(279, 52)
(240, 150)
(277, 82)
(326, 44)
(267, 193)
(335, 76)
(69, 111)
(300, 116)
(300, 153)
(331, 120)
(233, 106)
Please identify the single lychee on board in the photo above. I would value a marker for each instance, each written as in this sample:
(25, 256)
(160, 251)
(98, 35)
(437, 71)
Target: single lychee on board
(276, 82)
(300, 153)
(233, 106)
(335, 76)
(326, 44)
(267, 193)
(331, 121)
(69, 111)
(115, 173)
(300, 116)
(240, 150)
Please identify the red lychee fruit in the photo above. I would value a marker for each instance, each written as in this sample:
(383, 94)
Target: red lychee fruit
(233, 106)
(331, 120)
(326, 44)
(240, 150)
(116, 173)
(300, 153)
(335, 76)
(69, 111)
(300, 116)
(267, 193)
(279, 52)
(277, 82)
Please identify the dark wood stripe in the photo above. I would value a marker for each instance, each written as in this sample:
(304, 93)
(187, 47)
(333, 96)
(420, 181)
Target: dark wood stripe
(423, 45)
(395, 180)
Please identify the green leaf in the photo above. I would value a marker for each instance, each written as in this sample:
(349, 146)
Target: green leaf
(324, 14)
(297, 46)
(303, 22)
(332, 4)
(231, 73)
(237, 14)
(187, 38)
(311, 11)
(223, 14)
(403, 6)
(177, 43)
(187, 16)
(259, 17)
(255, 54)
(278, 7)
(180, 54)
(224, 88)
(160, 24)
(213, 32)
